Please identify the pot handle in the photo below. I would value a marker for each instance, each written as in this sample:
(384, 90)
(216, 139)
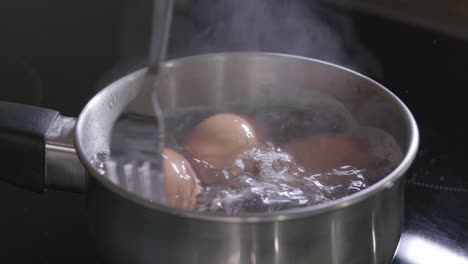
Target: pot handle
(36, 149)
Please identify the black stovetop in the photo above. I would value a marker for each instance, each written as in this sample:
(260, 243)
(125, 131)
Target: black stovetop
(427, 70)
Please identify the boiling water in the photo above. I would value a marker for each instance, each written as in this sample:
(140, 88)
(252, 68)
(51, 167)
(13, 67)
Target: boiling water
(279, 183)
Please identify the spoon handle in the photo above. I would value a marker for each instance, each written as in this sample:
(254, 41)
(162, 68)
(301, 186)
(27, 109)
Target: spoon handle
(160, 28)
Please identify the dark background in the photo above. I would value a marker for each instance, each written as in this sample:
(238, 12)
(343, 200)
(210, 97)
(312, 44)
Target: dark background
(58, 54)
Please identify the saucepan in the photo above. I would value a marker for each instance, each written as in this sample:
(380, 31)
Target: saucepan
(41, 149)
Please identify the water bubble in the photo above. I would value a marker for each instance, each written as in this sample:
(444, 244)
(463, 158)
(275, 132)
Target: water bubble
(266, 178)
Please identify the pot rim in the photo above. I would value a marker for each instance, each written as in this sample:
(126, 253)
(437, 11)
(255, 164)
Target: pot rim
(386, 183)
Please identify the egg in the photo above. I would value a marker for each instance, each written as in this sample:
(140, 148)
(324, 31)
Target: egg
(181, 183)
(328, 151)
(216, 142)
(260, 128)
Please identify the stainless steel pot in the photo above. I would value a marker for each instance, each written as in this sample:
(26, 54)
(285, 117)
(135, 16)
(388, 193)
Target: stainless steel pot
(361, 228)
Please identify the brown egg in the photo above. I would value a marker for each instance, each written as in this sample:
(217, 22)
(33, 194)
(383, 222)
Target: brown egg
(216, 142)
(325, 152)
(261, 130)
(181, 183)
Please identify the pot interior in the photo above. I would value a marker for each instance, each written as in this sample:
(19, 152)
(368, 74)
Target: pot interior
(218, 80)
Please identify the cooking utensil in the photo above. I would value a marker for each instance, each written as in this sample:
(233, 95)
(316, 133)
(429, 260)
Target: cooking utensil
(364, 227)
(137, 138)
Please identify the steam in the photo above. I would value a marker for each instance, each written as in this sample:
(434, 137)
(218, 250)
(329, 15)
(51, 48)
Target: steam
(265, 25)
(298, 27)
(295, 27)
